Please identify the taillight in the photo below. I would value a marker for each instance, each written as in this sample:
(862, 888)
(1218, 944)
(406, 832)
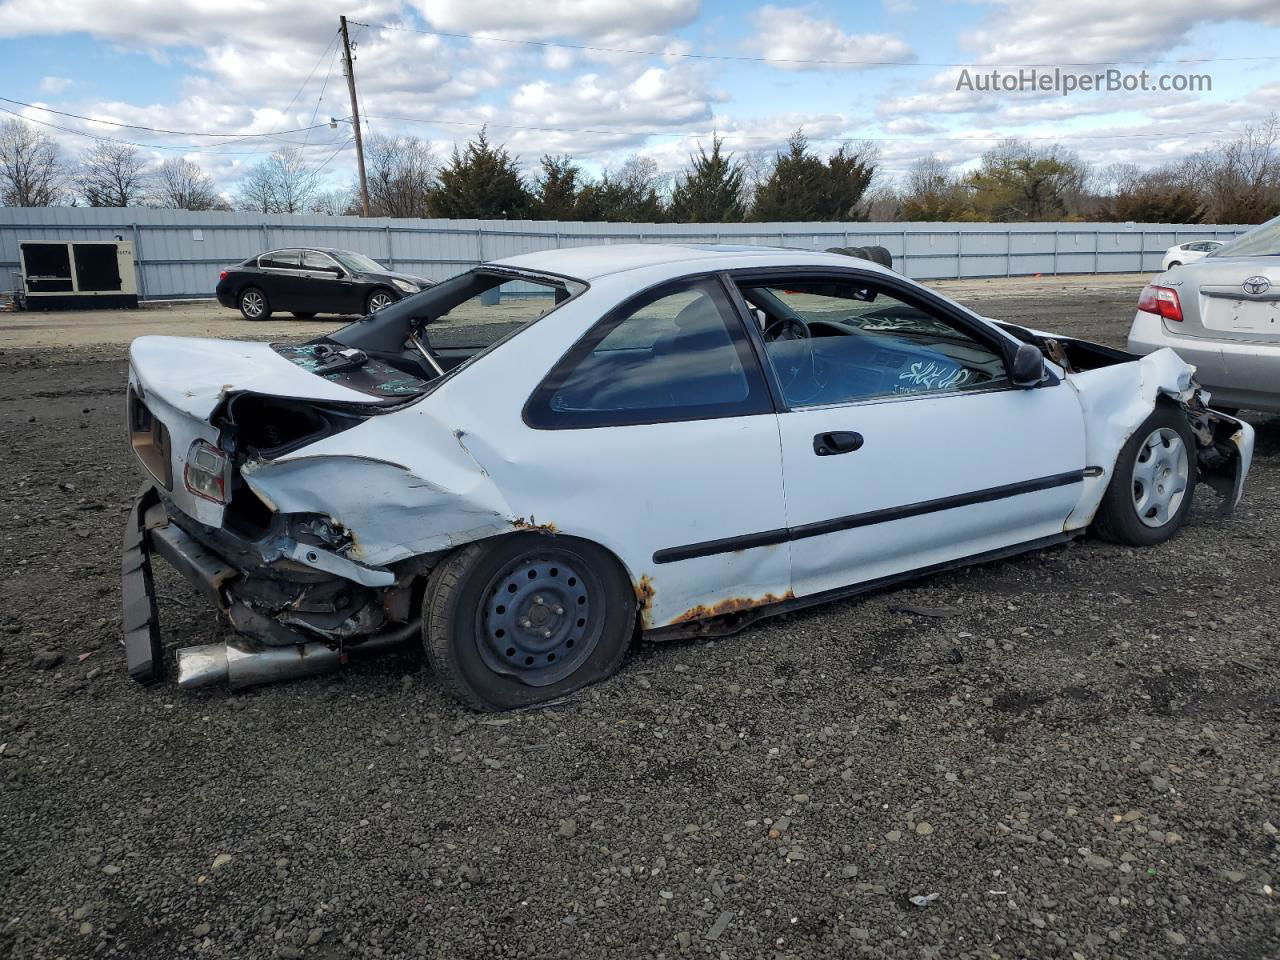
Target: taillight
(222, 275)
(1162, 301)
(206, 472)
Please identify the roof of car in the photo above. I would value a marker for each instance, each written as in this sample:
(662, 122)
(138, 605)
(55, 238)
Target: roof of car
(588, 263)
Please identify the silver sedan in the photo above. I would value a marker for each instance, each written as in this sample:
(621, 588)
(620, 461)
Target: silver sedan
(1222, 315)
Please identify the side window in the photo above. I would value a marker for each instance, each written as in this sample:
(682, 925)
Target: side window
(842, 341)
(279, 260)
(679, 353)
(319, 262)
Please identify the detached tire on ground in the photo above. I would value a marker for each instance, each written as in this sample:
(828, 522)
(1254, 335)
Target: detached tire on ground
(1151, 490)
(254, 304)
(525, 618)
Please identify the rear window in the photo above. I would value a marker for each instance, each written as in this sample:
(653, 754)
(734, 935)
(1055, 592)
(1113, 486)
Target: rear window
(1263, 241)
(279, 260)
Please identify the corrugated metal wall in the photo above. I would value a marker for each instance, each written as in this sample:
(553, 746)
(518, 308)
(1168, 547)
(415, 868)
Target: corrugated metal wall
(180, 252)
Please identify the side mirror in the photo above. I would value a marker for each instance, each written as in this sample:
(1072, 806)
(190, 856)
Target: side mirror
(1028, 366)
(337, 272)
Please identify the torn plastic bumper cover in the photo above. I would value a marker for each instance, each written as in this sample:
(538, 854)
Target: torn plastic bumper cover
(297, 618)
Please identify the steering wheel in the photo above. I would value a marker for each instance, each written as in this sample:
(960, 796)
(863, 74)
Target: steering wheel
(787, 328)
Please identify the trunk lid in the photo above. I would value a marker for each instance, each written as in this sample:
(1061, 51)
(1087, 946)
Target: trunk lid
(1227, 298)
(194, 375)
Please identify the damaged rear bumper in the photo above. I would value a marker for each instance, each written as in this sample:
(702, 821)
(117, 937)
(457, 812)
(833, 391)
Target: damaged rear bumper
(294, 616)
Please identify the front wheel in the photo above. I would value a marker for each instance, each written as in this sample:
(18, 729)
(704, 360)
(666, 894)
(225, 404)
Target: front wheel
(379, 299)
(1151, 490)
(525, 618)
(1173, 263)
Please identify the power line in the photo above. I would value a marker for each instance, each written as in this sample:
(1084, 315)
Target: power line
(185, 147)
(729, 135)
(320, 99)
(175, 133)
(795, 60)
(302, 86)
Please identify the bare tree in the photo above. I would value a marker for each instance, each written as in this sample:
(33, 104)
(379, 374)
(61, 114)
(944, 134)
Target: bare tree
(402, 171)
(1239, 181)
(180, 184)
(335, 203)
(283, 183)
(32, 173)
(112, 175)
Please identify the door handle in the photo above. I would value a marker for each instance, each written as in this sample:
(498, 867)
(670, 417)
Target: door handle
(835, 442)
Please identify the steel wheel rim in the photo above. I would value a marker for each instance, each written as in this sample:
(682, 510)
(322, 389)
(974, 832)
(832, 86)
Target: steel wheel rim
(378, 301)
(540, 617)
(1160, 475)
(252, 304)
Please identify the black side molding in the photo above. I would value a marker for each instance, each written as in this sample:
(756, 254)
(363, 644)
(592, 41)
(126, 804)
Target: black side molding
(708, 548)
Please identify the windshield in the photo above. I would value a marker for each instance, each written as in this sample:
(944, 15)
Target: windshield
(1263, 241)
(433, 333)
(358, 262)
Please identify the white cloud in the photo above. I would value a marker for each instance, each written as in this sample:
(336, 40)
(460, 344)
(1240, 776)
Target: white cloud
(1034, 31)
(790, 34)
(54, 84)
(560, 18)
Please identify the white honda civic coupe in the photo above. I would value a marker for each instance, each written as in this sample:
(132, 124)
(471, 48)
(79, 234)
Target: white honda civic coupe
(673, 440)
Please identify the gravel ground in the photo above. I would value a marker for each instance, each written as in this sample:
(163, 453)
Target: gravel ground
(1075, 751)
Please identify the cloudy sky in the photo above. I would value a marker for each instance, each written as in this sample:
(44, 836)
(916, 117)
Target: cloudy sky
(613, 77)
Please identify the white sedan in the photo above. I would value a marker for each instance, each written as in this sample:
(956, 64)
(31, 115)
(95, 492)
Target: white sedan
(1188, 252)
(677, 440)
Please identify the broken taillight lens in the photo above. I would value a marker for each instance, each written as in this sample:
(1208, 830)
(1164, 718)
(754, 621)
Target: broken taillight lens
(1162, 301)
(206, 472)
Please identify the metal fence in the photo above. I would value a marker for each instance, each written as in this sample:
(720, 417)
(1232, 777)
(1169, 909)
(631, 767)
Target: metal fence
(179, 253)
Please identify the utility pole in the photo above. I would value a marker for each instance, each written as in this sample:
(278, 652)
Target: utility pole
(355, 116)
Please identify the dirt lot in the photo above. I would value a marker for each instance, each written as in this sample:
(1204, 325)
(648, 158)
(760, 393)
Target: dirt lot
(1075, 750)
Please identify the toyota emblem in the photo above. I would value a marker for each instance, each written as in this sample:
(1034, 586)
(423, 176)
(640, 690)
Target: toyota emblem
(1256, 285)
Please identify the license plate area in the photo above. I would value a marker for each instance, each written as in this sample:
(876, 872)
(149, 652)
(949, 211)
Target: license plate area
(1238, 315)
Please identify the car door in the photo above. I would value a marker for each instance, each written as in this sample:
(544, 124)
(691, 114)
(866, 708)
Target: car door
(904, 445)
(282, 280)
(326, 288)
(661, 436)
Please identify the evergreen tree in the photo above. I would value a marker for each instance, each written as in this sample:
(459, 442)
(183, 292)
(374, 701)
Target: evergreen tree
(631, 194)
(793, 190)
(710, 191)
(848, 175)
(482, 182)
(556, 191)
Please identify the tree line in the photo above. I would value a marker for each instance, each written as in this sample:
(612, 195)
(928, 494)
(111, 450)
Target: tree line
(1235, 181)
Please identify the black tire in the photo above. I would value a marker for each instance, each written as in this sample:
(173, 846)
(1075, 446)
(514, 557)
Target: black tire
(1120, 515)
(303, 316)
(376, 298)
(463, 619)
(1174, 263)
(249, 300)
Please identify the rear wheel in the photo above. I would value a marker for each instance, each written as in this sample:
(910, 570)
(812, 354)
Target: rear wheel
(303, 316)
(254, 304)
(379, 299)
(526, 618)
(1155, 477)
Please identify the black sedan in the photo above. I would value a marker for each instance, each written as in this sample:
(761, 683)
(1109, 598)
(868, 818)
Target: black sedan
(305, 281)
